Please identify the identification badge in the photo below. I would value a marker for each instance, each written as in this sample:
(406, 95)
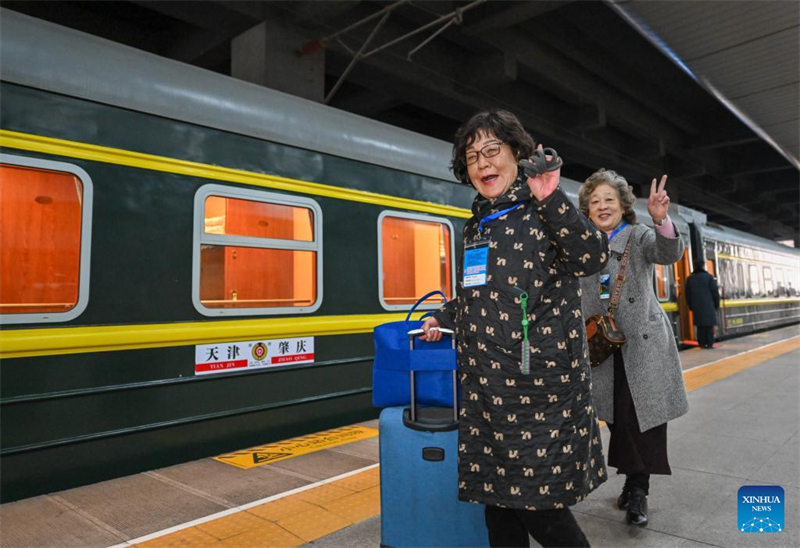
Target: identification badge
(476, 261)
(604, 286)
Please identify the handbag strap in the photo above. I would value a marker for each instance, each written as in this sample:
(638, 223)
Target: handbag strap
(620, 279)
(423, 299)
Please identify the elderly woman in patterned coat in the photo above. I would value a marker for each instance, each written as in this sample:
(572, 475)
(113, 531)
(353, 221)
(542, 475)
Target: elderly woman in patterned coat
(529, 442)
(641, 388)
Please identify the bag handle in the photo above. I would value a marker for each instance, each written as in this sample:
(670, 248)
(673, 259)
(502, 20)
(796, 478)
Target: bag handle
(423, 299)
(620, 279)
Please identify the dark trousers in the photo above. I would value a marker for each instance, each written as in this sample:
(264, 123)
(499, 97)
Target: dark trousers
(509, 528)
(640, 480)
(705, 336)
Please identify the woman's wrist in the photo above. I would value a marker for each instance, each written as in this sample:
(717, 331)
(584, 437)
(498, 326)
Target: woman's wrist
(661, 222)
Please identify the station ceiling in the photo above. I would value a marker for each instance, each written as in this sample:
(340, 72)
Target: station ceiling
(706, 92)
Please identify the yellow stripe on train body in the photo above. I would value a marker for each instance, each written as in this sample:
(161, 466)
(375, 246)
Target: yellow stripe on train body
(21, 343)
(96, 153)
(730, 303)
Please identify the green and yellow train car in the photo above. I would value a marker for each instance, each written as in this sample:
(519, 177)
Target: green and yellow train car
(193, 264)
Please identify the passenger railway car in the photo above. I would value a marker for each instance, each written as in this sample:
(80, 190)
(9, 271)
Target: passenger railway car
(193, 264)
(759, 280)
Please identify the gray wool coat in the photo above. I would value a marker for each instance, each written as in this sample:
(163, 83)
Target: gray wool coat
(651, 357)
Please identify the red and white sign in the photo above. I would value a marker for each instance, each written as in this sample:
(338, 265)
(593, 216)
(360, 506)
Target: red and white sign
(237, 356)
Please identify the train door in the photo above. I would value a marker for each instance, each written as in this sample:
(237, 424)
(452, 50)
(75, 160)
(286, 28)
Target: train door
(682, 270)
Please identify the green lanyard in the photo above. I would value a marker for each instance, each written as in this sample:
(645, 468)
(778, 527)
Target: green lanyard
(525, 364)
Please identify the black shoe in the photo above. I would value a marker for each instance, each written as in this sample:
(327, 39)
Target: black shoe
(622, 500)
(637, 508)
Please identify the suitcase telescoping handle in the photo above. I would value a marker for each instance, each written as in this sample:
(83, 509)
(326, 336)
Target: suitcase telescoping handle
(412, 335)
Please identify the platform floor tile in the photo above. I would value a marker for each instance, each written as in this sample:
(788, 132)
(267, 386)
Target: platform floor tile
(323, 464)
(366, 533)
(188, 538)
(324, 494)
(232, 525)
(782, 468)
(357, 507)
(41, 521)
(720, 455)
(230, 483)
(269, 535)
(139, 505)
(362, 481)
(314, 523)
(281, 508)
(603, 532)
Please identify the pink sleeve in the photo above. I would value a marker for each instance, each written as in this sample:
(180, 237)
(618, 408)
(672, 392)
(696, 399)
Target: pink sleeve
(667, 229)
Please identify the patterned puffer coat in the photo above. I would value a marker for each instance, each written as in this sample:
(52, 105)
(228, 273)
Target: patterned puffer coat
(527, 441)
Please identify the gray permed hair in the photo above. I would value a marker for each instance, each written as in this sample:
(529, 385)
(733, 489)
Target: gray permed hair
(617, 182)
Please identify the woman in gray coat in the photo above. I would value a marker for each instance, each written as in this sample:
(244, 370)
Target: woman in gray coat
(641, 388)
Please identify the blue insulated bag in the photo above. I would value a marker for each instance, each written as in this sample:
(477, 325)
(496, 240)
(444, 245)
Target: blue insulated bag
(433, 362)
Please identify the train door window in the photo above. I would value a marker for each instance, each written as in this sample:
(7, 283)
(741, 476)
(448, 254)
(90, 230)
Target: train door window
(768, 285)
(755, 281)
(662, 282)
(780, 283)
(45, 222)
(256, 252)
(414, 257)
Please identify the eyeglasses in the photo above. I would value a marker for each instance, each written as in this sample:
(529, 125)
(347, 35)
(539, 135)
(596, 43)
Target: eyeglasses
(492, 149)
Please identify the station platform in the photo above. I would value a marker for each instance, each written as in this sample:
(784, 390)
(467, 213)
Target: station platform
(742, 429)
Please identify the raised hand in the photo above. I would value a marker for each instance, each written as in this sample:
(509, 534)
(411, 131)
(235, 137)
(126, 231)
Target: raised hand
(544, 184)
(658, 203)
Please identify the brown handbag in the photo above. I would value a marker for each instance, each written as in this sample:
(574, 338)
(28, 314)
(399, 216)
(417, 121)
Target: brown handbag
(602, 334)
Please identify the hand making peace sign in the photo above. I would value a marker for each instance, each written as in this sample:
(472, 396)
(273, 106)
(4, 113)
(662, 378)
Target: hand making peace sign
(658, 203)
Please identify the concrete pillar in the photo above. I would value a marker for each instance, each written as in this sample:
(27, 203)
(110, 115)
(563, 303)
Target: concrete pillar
(267, 55)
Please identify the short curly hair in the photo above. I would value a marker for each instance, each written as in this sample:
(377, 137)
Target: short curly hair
(500, 123)
(615, 181)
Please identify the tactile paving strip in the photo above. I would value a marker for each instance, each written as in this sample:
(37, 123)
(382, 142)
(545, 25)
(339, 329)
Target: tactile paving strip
(288, 521)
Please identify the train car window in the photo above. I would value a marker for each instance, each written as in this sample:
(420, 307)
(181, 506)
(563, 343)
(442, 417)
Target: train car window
(768, 285)
(256, 252)
(45, 220)
(727, 278)
(792, 282)
(741, 281)
(257, 219)
(415, 257)
(780, 283)
(755, 281)
(662, 282)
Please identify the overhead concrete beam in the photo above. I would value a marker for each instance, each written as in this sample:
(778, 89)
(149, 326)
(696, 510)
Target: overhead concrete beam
(514, 15)
(493, 70)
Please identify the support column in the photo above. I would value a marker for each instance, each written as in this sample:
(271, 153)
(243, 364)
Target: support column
(267, 55)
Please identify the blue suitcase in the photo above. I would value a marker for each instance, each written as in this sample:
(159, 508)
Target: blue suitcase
(419, 480)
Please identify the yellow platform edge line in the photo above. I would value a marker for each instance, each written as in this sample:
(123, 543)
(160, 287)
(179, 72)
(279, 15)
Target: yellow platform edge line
(703, 376)
(189, 536)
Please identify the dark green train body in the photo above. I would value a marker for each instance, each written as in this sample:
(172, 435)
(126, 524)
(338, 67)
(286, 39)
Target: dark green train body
(114, 390)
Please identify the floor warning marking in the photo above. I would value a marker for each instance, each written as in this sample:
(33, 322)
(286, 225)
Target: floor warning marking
(287, 449)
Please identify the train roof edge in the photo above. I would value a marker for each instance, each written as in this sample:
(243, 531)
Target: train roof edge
(47, 56)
